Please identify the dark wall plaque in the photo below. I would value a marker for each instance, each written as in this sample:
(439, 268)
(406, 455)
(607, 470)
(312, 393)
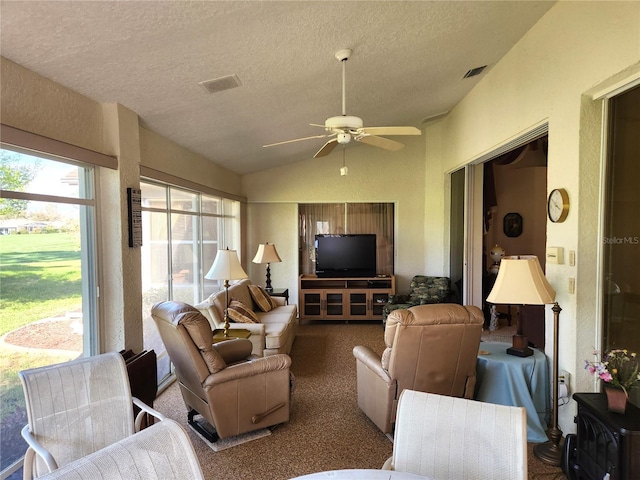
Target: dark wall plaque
(135, 216)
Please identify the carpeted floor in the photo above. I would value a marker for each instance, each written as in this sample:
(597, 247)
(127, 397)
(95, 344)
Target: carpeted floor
(326, 430)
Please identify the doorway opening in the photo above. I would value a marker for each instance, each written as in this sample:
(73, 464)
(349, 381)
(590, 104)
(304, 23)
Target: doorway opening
(515, 223)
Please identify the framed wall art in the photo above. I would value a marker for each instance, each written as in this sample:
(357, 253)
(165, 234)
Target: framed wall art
(512, 224)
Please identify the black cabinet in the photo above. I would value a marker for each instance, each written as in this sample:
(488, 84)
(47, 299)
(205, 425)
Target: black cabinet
(606, 445)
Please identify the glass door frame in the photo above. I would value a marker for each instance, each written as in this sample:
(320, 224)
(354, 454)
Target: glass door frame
(607, 153)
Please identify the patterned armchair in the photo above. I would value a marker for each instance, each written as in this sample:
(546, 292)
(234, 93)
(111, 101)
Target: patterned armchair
(423, 290)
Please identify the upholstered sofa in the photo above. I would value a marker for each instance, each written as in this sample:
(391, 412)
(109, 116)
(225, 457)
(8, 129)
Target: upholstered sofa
(423, 290)
(275, 330)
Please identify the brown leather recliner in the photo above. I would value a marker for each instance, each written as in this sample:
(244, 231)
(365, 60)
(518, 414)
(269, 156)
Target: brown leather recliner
(430, 348)
(233, 391)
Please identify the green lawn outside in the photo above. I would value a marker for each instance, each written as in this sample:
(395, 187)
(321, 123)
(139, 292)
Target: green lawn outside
(39, 277)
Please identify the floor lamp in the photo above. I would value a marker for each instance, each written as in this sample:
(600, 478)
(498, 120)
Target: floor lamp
(521, 282)
(268, 254)
(226, 267)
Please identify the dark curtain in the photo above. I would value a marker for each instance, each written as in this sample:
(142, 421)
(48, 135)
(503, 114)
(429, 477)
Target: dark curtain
(338, 218)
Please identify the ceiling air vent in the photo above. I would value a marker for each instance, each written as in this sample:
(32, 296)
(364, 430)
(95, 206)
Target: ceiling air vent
(474, 71)
(220, 84)
(432, 118)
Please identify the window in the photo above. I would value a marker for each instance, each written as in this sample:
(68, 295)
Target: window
(182, 231)
(47, 272)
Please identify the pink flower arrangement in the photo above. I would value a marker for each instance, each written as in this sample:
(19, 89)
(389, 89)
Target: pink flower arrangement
(618, 368)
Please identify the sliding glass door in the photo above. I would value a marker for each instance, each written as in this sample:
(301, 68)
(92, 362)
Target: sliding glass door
(47, 271)
(183, 231)
(621, 241)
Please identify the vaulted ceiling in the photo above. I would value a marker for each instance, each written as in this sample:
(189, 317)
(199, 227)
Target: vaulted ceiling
(408, 63)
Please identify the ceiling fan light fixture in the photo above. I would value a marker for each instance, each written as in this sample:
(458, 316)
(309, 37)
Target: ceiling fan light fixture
(344, 138)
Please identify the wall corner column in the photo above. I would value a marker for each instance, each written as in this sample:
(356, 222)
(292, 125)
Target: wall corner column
(121, 279)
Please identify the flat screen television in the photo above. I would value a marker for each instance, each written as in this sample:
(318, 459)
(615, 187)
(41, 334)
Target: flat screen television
(346, 255)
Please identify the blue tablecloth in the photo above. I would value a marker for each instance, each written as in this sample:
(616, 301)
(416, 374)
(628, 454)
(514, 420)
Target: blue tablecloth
(517, 381)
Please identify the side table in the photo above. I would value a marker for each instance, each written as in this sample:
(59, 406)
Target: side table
(518, 381)
(280, 292)
(218, 334)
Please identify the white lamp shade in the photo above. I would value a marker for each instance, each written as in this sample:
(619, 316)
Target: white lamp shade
(521, 281)
(226, 266)
(266, 254)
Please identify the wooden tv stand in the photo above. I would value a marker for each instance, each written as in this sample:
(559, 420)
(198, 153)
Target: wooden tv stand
(352, 298)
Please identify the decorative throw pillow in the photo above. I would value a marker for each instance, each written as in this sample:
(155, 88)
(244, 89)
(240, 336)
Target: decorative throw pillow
(239, 312)
(262, 298)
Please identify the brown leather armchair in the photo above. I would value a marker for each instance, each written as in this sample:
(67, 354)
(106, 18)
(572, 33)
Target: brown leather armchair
(430, 348)
(232, 390)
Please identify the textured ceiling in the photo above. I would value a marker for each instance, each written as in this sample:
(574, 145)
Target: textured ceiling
(408, 61)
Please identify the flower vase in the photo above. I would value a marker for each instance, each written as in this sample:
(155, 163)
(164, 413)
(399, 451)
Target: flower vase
(616, 399)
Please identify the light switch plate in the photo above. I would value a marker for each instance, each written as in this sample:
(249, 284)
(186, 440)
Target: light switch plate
(555, 255)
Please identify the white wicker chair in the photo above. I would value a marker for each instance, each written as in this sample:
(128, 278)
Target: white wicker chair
(452, 438)
(160, 452)
(77, 408)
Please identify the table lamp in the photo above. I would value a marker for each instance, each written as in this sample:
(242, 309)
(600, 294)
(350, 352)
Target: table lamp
(226, 267)
(521, 282)
(267, 254)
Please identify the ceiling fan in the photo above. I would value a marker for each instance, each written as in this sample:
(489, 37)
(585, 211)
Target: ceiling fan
(343, 128)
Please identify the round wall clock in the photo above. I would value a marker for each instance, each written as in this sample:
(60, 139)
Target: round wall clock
(558, 205)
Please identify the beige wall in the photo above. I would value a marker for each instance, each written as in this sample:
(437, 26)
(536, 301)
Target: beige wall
(165, 156)
(35, 104)
(282, 231)
(119, 270)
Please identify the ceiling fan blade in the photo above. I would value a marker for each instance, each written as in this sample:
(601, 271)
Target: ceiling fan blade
(380, 142)
(390, 131)
(327, 148)
(296, 140)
